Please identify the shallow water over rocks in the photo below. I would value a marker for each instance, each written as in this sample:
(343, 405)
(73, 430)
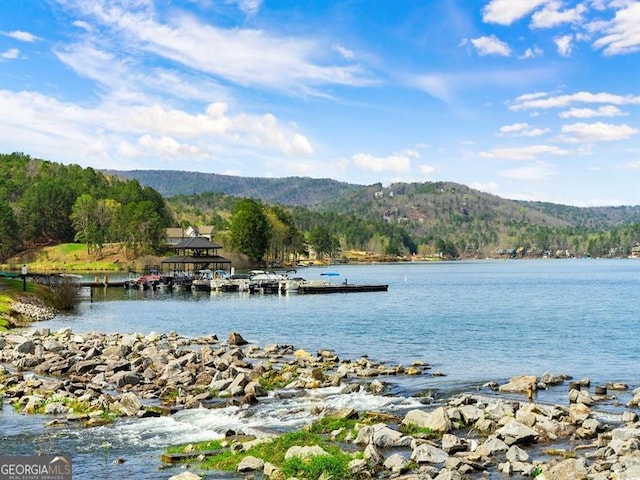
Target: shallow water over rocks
(475, 322)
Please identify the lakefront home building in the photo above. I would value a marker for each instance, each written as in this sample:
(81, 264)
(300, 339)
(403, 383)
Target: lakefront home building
(176, 235)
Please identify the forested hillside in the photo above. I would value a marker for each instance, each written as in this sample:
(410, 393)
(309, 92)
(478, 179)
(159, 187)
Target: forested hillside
(429, 218)
(300, 191)
(42, 202)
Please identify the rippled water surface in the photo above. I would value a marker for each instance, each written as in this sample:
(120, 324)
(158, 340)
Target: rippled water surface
(474, 321)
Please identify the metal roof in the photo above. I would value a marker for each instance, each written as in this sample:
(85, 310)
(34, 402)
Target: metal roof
(199, 243)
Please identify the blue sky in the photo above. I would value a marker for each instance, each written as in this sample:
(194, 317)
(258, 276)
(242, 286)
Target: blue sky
(526, 99)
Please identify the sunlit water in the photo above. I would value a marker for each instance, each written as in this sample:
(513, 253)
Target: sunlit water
(473, 321)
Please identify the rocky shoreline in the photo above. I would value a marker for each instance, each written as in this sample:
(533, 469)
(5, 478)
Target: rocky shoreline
(94, 378)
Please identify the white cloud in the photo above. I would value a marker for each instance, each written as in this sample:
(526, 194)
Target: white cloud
(392, 163)
(10, 54)
(446, 86)
(345, 52)
(606, 111)
(243, 56)
(531, 52)
(621, 35)
(551, 16)
(564, 45)
(67, 126)
(163, 147)
(126, 79)
(265, 131)
(250, 7)
(522, 130)
(529, 152)
(437, 86)
(539, 172)
(491, 45)
(83, 25)
(596, 132)
(22, 36)
(546, 100)
(426, 169)
(505, 12)
(489, 187)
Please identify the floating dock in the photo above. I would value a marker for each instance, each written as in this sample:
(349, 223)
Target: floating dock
(341, 288)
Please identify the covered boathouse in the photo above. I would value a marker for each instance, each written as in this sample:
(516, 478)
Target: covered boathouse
(194, 254)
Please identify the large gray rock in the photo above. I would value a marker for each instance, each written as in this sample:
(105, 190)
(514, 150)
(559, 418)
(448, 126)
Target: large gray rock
(386, 437)
(357, 466)
(372, 455)
(381, 436)
(426, 453)
(626, 433)
(492, 446)
(470, 414)
(516, 433)
(236, 339)
(438, 420)
(28, 346)
(116, 351)
(55, 408)
(570, 469)
(304, 452)
(453, 444)
(396, 463)
(516, 454)
(449, 475)
(125, 378)
(519, 384)
(130, 404)
(250, 464)
(52, 345)
(186, 476)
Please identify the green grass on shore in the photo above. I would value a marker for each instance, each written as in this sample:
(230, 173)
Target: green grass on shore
(334, 463)
(67, 257)
(10, 290)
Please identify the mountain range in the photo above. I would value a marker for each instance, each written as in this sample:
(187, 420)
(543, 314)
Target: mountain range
(421, 204)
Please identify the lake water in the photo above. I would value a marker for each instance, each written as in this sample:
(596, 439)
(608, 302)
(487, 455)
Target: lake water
(473, 321)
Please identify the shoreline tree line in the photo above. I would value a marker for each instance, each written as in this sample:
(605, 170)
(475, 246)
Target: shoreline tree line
(43, 202)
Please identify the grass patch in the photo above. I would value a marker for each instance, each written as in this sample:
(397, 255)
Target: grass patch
(330, 424)
(10, 291)
(195, 447)
(73, 404)
(70, 257)
(414, 430)
(334, 464)
(277, 379)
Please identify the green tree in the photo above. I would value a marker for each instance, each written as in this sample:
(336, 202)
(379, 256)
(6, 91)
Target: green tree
(250, 233)
(9, 235)
(446, 248)
(84, 216)
(45, 211)
(323, 242)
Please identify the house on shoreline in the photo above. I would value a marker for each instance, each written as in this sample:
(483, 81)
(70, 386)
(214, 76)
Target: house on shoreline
(193, 251)
(175, 235)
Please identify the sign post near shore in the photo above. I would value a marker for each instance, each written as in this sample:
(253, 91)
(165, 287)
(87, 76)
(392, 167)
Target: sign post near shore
(24, 278)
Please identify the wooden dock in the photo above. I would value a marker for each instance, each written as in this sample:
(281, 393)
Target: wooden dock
(100, 282)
